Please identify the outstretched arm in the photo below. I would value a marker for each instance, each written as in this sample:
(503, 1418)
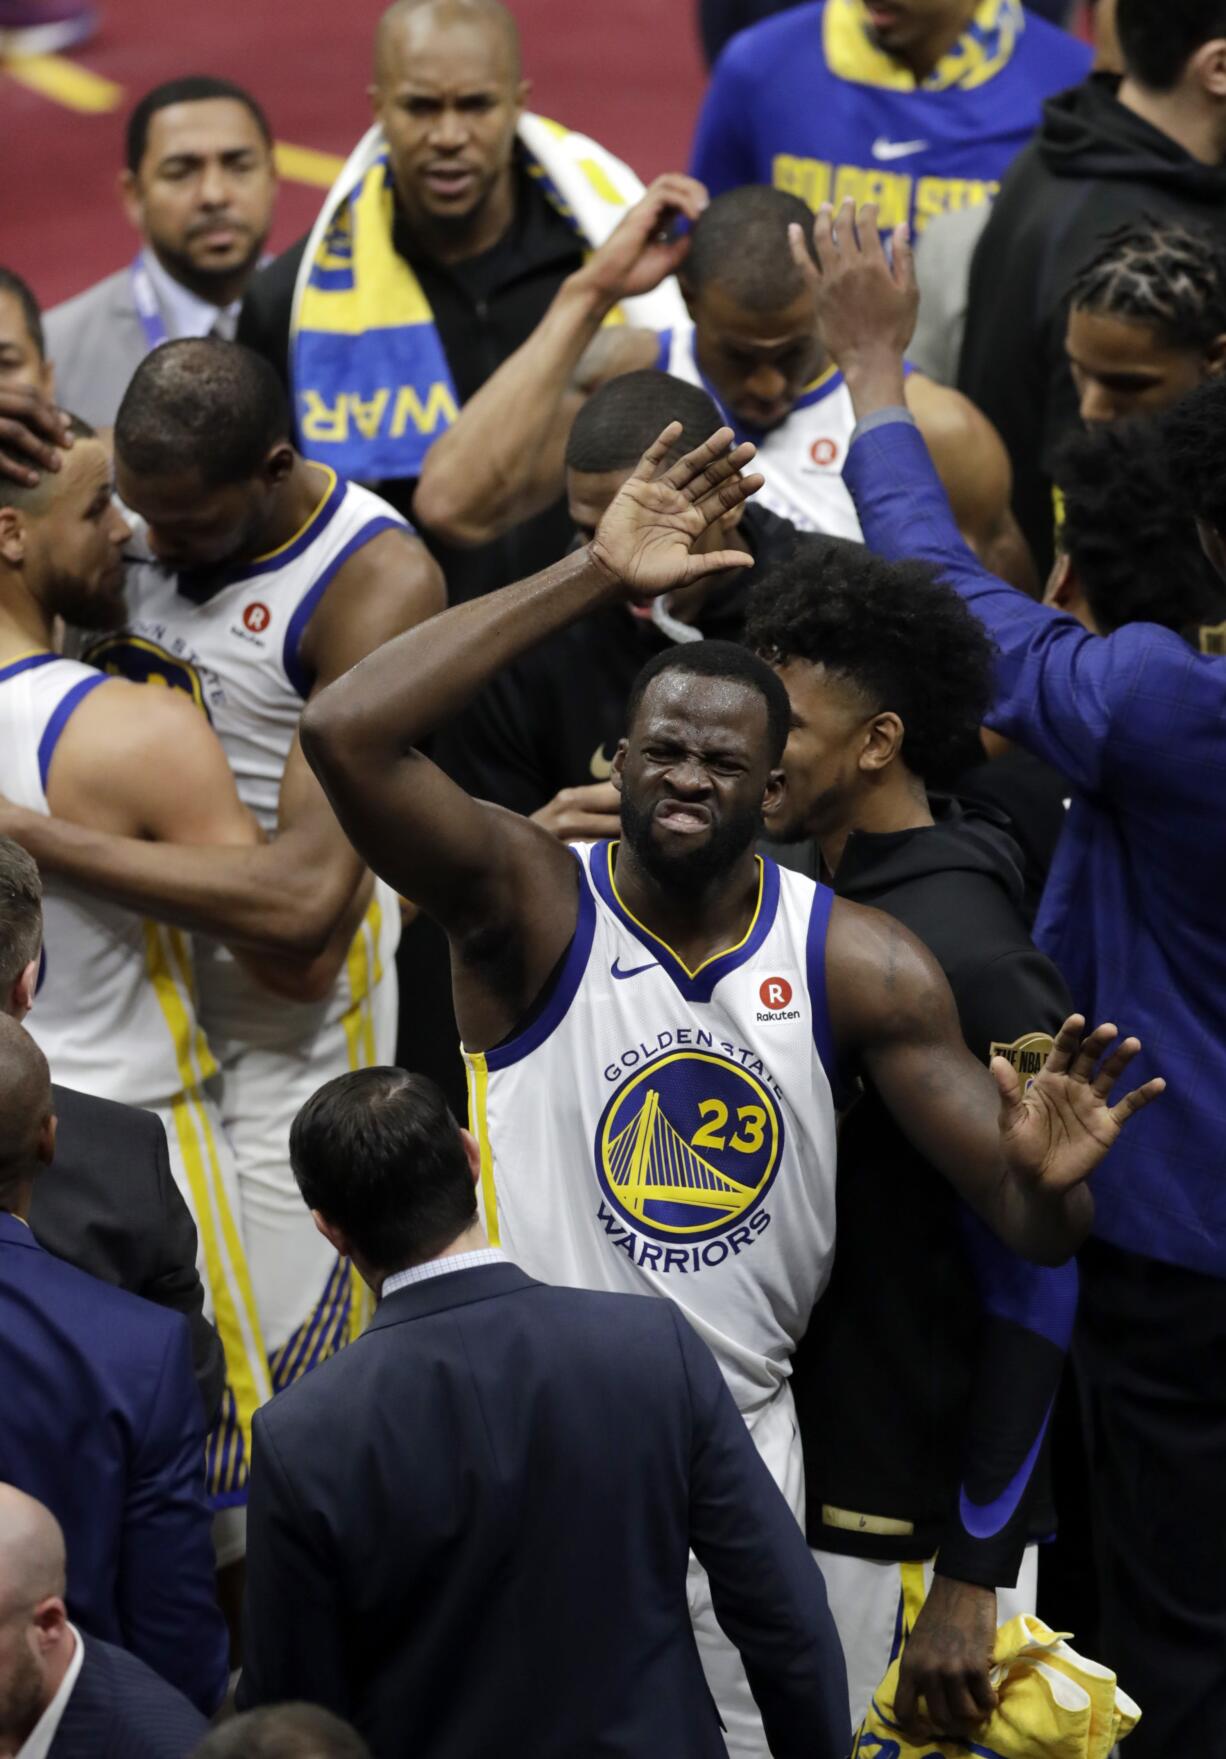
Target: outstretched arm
(503, 459)
(1019, 1160)
(1060, 691)
(502, 888)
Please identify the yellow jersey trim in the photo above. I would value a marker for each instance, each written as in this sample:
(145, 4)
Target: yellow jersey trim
(981, 51)
(478, 1092)
(308, 522)
(723, 953)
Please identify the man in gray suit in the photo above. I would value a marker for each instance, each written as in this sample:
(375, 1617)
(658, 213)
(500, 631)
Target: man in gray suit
(199, 187)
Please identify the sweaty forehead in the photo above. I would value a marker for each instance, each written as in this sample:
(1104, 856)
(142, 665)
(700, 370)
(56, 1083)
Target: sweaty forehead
(447, 47)
(701, 710)
(721, 308)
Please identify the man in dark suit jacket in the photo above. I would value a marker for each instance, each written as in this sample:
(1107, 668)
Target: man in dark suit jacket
(62, 1695)
(112, 1207)
(470, 1534)
(102, 1422)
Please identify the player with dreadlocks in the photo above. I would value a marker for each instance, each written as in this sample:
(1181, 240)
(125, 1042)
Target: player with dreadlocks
(1147, 318)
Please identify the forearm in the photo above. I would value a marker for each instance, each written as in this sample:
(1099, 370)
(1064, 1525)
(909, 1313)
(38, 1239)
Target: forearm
(501, 461)
(267, 897)
(388, 704)
(1028, 1315)
(1053, 679)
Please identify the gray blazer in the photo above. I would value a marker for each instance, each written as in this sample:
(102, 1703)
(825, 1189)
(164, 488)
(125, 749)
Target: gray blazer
(96, 341)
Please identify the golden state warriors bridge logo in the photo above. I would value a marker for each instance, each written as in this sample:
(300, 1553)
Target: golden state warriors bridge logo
(146, 662)
(687, 1148)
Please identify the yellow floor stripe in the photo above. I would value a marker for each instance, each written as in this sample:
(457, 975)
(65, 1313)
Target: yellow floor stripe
(65, 83)
(305, 165)
(76, 88)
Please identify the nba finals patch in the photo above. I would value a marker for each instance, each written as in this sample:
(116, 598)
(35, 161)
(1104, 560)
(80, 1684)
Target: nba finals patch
(1027, 1054)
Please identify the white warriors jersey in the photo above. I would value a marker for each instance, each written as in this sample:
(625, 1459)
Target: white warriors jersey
(666, 1132)
(115, 1011)
(236, 652)
(802, 459)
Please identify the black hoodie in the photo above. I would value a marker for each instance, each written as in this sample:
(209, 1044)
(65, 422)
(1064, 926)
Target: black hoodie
(906, 1385)
(1092, 166)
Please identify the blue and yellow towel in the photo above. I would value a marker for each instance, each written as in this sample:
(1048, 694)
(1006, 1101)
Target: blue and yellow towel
(1053, 1704)
(371, 384)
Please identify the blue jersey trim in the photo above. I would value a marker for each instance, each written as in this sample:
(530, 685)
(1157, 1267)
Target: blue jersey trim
(815, 972)
(294, 669)
(697, 986)
(665, 355)
(554, 1007)
(28, 664)
(59, 720)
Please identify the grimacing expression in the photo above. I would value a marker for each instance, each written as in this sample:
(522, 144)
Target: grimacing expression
(1124, 367)
(20, 361)
(449, 97)
(694, 777)
(74, 540)
(821, 760)
(203, 193)
(191, 525)
(758, 362)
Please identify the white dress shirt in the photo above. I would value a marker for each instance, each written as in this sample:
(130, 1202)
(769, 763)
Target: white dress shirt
(186, 314)
(400, 1279)
(38, 1743)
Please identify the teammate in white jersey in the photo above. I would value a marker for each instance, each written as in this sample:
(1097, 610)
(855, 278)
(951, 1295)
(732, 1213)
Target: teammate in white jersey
(655, 1027)
(115, 1010)
(753, 343)
(257, 579)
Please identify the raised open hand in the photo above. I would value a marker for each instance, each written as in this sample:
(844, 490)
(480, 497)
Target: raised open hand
(646, 539)
(866, 302)
(1054, 1135)
(643, 249)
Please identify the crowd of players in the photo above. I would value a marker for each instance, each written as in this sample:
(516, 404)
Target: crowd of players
(554, 617)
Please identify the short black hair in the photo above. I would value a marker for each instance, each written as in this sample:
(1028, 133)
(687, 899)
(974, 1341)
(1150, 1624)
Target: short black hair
(1159, 37)
(721, 659)
(193, 88)
(741, 242)
(1170, 274)
(379, 1155)
(11, 282)
(1129, 530)
(201, 405)
(893, 630)
(620, 420)
(21, 912)
(284, 1731)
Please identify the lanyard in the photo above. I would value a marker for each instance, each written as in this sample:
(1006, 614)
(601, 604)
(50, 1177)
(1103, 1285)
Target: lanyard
(147, 309)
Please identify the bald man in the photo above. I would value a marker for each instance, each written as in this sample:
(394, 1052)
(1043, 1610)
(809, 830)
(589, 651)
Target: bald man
(62, 1697)
(481, 232)
(102, 1422)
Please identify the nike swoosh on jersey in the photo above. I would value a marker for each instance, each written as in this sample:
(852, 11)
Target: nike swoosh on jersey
(601, 766)
(616, 970)
(985, 1520)
(896, 149)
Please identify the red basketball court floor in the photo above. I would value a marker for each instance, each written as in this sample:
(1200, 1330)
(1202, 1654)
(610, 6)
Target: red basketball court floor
(627, 72)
